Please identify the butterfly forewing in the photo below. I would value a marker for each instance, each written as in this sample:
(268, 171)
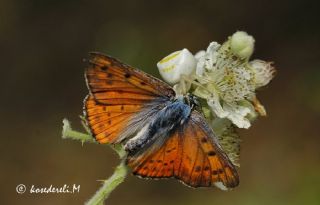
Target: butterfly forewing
(111, 81)
(117, 93)
(107, 121)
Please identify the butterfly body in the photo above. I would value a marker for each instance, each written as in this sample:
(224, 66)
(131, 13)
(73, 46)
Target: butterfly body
(162, 125)
(164, 134)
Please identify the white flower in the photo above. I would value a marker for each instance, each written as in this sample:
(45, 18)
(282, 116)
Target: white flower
(263, 72)
(226, 81)
(223, 76)
(242, 44)
(175, 65)
(233, 82)
(238, 112)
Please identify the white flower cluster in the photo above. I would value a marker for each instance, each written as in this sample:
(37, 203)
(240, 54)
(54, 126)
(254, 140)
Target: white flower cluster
(223, 76)
(225, 80)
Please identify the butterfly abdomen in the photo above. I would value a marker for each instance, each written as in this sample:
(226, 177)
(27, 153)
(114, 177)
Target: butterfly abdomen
(164, 123)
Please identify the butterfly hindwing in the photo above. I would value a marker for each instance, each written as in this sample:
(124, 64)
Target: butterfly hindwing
(117, 94)
(216, 164)
(191, 154)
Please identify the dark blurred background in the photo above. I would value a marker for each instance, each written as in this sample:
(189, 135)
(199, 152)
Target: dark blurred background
(42, 46)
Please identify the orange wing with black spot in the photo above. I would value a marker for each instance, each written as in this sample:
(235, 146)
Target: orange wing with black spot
(191, 155)
(117, 93)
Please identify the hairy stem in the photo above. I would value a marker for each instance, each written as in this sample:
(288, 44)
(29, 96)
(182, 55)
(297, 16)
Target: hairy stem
(109, 185)
(69, 133)
(117, 177)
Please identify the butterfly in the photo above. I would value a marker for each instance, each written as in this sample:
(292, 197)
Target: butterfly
(165, 136)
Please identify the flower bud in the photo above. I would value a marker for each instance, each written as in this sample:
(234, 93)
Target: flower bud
(242, 44)
(175, 65)
(263, 72)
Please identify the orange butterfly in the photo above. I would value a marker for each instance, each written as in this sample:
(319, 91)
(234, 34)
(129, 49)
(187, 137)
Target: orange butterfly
(164, 135)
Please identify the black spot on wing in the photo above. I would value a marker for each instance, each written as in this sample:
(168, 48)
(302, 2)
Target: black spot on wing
(211, 153)
(104, 68)
(127, 75)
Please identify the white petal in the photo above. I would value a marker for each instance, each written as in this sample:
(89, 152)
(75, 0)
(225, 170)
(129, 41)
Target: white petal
(200, 66)
(212, 55)
(207, 59)
(252, 115)
(216, 107)
(199, 54)
(237, 114)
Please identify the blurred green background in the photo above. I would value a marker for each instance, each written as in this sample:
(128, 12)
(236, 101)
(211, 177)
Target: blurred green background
(42, 46)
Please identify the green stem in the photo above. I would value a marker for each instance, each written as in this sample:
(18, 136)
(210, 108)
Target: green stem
(109, 185)
(117, 177)
(69, 133)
